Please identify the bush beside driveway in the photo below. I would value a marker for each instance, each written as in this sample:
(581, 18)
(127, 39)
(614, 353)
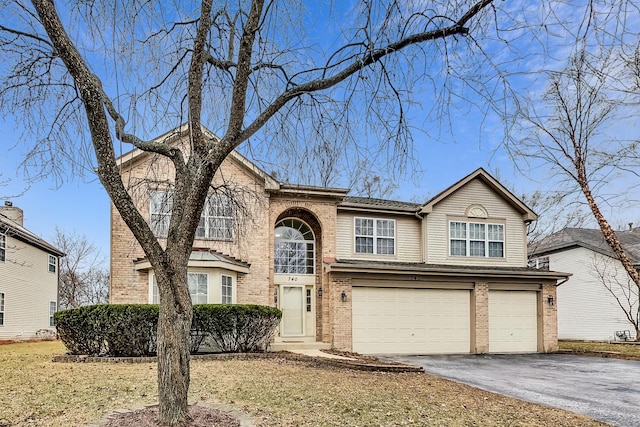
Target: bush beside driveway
(274, 392)
(603, 388)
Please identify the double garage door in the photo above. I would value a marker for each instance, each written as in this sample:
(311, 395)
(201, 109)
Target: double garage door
(422, 321)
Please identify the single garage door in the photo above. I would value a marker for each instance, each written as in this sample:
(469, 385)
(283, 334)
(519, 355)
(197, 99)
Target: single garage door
(410, 321)
(513, 321)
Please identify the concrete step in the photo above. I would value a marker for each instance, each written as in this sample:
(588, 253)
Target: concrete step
(291, 345)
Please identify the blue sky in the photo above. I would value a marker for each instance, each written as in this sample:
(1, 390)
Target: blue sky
(82, 206)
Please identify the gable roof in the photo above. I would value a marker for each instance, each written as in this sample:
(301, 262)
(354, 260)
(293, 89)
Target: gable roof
(591, 239)
(173, 135)
(15, 230)
(491, 182)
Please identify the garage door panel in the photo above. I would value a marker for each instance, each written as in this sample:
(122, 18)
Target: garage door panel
(398, 320)
(513, 321)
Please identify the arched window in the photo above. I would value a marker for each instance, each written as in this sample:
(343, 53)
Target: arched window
(294, 248)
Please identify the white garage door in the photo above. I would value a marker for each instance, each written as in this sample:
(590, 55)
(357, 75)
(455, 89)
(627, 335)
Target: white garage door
(410, 321)
(513, 321)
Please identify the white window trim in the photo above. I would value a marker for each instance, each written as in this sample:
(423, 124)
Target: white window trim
(164, 205)
(222, 287)
(153, 286)
(53, 307)
(468, 239)
(53, 264)
(3, 246)
(2, 302)
(375, 236)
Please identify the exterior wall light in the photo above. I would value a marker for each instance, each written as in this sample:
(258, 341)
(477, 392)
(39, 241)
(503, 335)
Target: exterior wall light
(343, 296)
(319, 292)
(550, 300)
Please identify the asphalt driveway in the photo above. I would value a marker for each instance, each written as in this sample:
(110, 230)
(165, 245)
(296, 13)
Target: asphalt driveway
(607, 390)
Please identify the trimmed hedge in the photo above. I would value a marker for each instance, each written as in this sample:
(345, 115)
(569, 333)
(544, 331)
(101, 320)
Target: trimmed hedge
(234, 328)
(131, 329)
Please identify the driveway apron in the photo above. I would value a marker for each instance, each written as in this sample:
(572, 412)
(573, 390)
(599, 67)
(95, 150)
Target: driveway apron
(607, 390)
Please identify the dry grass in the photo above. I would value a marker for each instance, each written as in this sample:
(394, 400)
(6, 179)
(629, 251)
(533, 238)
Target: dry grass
(38, 392)
(628, 351)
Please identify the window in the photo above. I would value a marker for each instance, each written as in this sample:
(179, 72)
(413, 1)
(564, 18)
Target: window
(308, 301)
(160, 207)
(294, 248)
(375, 236)
(3, 246)
(476, 239)
(541, 263)
(227, 290)
(216, 221)
(53, 307)
(198, 288)
(53, 263)
(1, 308)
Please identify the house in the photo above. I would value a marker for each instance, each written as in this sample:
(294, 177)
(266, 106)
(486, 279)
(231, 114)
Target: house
(357, 274)
(588, 307)
(28, 279)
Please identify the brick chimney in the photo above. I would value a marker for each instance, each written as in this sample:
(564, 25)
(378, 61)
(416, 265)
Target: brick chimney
(13, 213)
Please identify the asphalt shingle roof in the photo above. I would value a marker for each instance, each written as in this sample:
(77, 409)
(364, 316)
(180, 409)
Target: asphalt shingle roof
(591, 239)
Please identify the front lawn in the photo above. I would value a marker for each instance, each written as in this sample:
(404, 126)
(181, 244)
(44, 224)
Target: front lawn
(275, 392)
(621, 350)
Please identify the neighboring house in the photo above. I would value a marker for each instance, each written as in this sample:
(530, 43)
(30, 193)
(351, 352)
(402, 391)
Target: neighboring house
(357, 274)
(587, 308)
(28, 279)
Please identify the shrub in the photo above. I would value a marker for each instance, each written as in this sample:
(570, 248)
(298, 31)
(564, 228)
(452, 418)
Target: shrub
(234, 327)
(79, 330)
(131, 329)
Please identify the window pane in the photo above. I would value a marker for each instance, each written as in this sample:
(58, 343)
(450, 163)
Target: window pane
(385, 247)
(294, 248)
(495, 232)
(364, 227)
(496, 249)
(160, 207)
(384, 228)
(1, 308)
(198, 288)
(458, 248)
(364, 245)
(458, 230)
(476, 248)
(155, 293)
(476, 231)
(227, 290)
(53, 306)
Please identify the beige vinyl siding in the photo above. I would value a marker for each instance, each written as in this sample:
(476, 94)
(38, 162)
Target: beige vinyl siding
(28, 289)
(499, 212)
(407, 231)
(586, 309)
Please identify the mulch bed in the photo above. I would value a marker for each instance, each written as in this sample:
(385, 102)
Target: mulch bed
(200, 416)
(359, 362)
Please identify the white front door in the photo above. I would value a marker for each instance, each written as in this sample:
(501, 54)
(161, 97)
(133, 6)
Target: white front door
(292, 306)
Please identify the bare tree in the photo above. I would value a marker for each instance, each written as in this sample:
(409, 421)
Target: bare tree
(574, 133)
(83, 276)
(252, 72)
(556, 210)
(624, 290)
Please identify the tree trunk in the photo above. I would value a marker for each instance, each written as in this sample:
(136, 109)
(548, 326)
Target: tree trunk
(607, 232)
(174, 324)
